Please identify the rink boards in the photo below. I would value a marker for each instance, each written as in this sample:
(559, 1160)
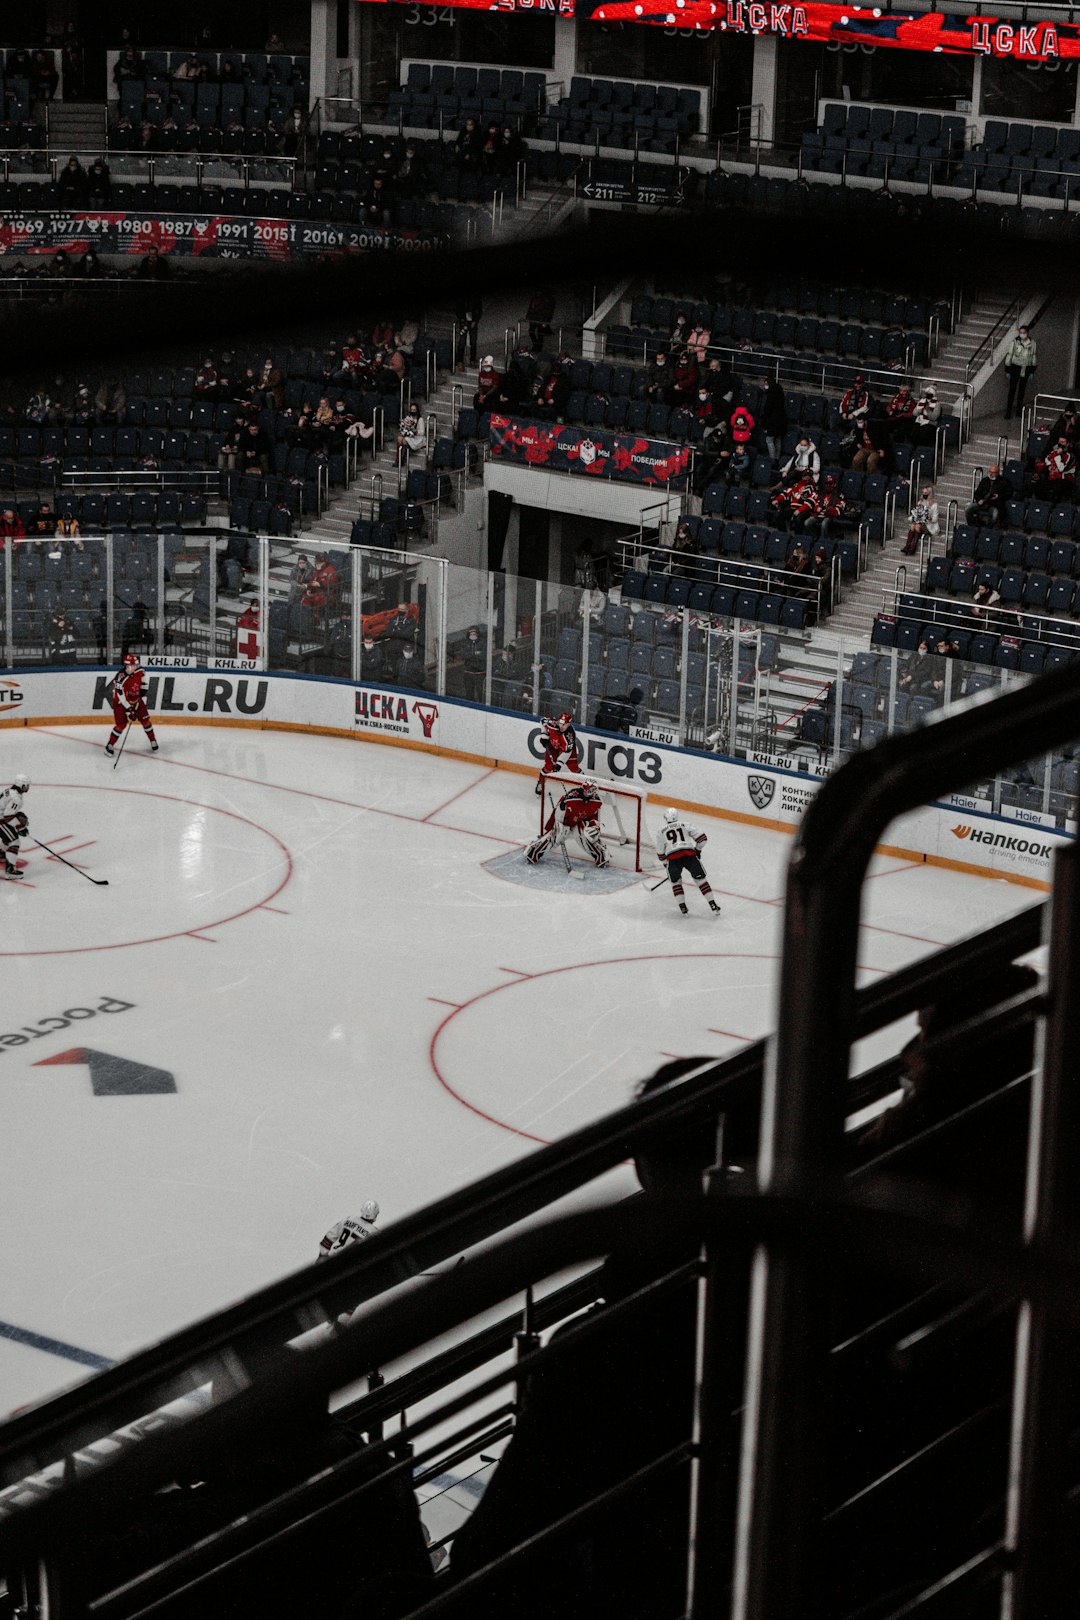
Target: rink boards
(960, 835)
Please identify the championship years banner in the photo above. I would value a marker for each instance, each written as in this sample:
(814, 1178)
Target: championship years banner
(757, 790)
(212, 236)
(561, 447)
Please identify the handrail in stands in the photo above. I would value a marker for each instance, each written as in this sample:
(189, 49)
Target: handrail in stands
(782, 1485)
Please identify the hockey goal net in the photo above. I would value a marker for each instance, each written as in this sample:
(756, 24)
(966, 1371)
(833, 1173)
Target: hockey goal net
(623, 826)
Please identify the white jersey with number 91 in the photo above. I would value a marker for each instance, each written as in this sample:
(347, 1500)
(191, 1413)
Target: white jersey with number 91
(677, 838)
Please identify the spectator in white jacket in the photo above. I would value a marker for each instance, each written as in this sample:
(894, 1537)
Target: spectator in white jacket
(923, 520)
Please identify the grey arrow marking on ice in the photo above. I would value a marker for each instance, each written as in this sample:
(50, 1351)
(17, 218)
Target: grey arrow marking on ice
(115, 1076)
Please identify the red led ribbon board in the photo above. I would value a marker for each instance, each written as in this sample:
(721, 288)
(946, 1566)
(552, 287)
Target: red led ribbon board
(819, 21)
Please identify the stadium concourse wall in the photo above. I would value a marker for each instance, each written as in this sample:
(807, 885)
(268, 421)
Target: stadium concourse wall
(959, 835)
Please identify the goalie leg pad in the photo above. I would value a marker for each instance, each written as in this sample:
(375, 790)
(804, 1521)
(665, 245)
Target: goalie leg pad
(593, 845)
(539, 847)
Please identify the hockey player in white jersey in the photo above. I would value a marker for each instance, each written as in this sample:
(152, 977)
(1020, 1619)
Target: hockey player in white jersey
(14, 825)
(678, 845)
(349, 1230)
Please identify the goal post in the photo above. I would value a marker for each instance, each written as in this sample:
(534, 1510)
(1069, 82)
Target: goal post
(623, 823)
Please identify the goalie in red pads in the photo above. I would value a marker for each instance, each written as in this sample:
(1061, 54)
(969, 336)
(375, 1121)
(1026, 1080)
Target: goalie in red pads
(128, 703)
(561, 751)
(579, 812)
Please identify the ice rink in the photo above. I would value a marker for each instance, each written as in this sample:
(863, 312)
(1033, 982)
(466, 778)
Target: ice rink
(306, 935)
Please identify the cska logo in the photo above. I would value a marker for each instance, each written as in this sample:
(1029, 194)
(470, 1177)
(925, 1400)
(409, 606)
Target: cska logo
(586, 452)
(427, 714)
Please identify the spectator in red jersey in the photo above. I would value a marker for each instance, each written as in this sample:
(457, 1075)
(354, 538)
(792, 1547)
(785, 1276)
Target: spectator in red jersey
(899, 412)
(487, 384)
(1055, 473)
(12, 526)
(320, 593)
(682, 388)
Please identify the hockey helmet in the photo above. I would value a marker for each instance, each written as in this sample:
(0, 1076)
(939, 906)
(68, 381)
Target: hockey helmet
(671, 815)
(565, 719)
(369, 1211)
(130, 659)
(21, 783)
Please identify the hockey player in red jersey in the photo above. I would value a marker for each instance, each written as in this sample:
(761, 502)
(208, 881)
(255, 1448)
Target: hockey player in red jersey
(579, 812)
(14, 825)
(128, 703)
(561, 751)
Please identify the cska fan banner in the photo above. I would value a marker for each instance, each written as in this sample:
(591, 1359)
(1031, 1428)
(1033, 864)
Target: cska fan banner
(559, 447)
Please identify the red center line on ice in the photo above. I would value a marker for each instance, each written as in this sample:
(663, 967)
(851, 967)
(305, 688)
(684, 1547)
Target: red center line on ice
(460, 794)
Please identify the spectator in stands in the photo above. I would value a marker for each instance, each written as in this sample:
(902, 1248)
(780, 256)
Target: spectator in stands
(90, 267)
(299, 578)
(704, 409)
(153, 266)
(270, 385)
(412, 434)
(467, 317)
(487, 384)
(985, 595)
(774, 418)
(936, 1083)
(830, 510)
(43, 523)
(538, 316)
(1055, 472)
(43, 76)
(82, 413)
(98, 182)
(110, 402)
(293, 132)
(1067, 426)
(680, 332)
(682, 381)
(468, 147)
(229, 446)
(556, 393)
(71, 54)
(919, 672)
(873, 448)
(923, 522)
(405, 337)
(793, 500)
(510, 152)
(489, 147)
(406, 176)
(854, 410)
(62, 647)
(713, 463)
(206, 380)
(274, 46)
(1020, 363)
(925, 417)
(38, 407)
(472, 655)
(320, 590)
(136, 630)
(697, 342)
(658, 375)
(67, 528)
(188, 71)
(410, 669)
(721, 382)
(804, 461)
(743, 429)
(991, 493)
(820, 571)
(129, 65)
(11, 526)
(253, 450)
(373, 665)
(377, 204)
(900, 412)
(61, 266)
(363, 430)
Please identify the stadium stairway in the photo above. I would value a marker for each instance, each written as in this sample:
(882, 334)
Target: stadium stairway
(77, 127)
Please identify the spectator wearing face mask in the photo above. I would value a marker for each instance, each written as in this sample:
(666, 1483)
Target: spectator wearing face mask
(1019, 369)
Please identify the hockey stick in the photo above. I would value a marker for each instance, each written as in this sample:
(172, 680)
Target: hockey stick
(102, 883)
(654, 886)
(123, 740)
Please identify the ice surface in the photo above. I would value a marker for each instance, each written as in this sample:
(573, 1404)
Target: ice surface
(352, 1003)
